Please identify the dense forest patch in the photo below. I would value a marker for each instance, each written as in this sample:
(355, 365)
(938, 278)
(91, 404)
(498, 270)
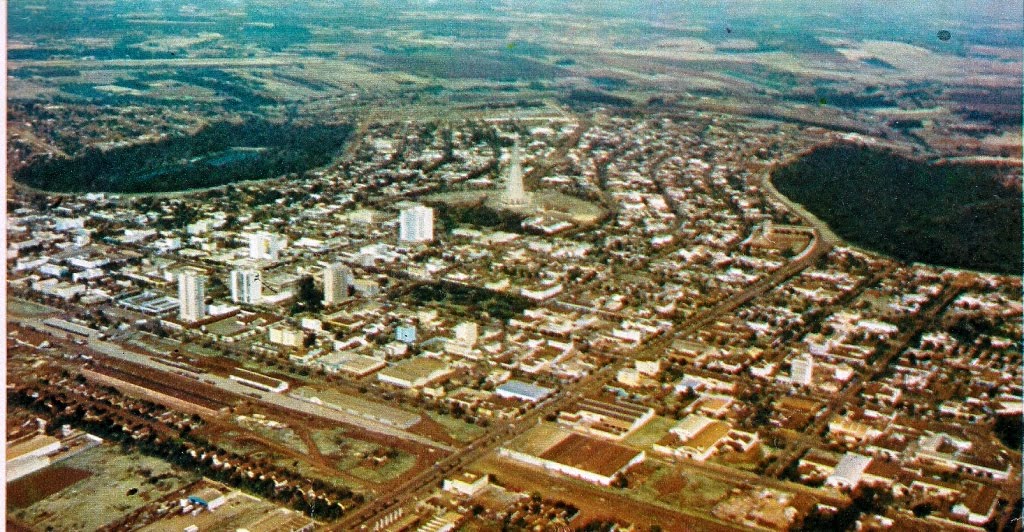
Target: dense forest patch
(477, 215)
(218, 154)
(959, 215)
(471, 300)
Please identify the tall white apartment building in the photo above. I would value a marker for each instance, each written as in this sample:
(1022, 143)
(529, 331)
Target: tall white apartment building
(515, 193)
(416, 224)
(337, 278)
(246, 286)
(191, 296)
(466, 333)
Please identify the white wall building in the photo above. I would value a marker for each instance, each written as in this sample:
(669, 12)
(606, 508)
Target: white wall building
(466, 333)
(191, 296)
(849, 471)
(416, 224)
(802, 370)
(515, 193)
(337, 278)
(467, 484)
(266, 246)
(284, 335)
(246, 286)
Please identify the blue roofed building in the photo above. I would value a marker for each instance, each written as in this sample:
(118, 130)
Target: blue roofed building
(405, 334)
(523, 391)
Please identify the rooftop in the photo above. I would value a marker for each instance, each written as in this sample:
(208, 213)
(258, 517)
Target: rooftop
(590, 454)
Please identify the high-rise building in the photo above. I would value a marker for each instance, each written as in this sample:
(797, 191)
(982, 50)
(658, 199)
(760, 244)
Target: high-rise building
(191, 296)
(337, 278)
(515, 194)
(416, 224)
(246, 286)
(802, 370)
(265, 246)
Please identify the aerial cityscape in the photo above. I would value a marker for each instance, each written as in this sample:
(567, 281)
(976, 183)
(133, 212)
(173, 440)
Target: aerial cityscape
(448, 265)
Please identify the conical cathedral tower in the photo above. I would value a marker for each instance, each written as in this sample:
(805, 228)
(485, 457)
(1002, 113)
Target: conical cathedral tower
(514, 193)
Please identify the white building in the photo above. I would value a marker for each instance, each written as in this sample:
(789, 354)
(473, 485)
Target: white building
(191, 296)
(68, 224)
(246, 286)
(699, 438)
(629, 377)
(466, 333)
(416, 224)
(415, 373)
(802, 370)
(337, 278)
(523, 391)
(31, 455)
(284, 335)
(468, 484)
(849, 471)
(578, 456)
(266, 246)
(366, 287)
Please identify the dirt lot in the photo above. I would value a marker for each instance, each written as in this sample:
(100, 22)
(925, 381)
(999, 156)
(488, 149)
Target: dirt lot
(33, 488)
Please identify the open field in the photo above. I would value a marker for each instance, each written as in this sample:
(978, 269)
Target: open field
(748, 461)
(456, 428)
(239, 511)
(668, 484)
(20, 307)
(104, 496)
(596, 502)
(650, 433)
(231, 441)
(284, 436)
(335, 442)
(539, 439)
(389, 471)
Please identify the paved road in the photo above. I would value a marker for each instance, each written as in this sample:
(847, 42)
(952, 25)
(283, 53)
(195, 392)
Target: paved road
(422, 485)
(821, 227)
(811, 434)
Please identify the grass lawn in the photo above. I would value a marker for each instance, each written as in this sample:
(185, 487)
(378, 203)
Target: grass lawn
(459, 430)
(334, 443)
(228, 441)
(386, 472)
(650, 433)
(748, 461)
(309, 471)
(285, 436)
